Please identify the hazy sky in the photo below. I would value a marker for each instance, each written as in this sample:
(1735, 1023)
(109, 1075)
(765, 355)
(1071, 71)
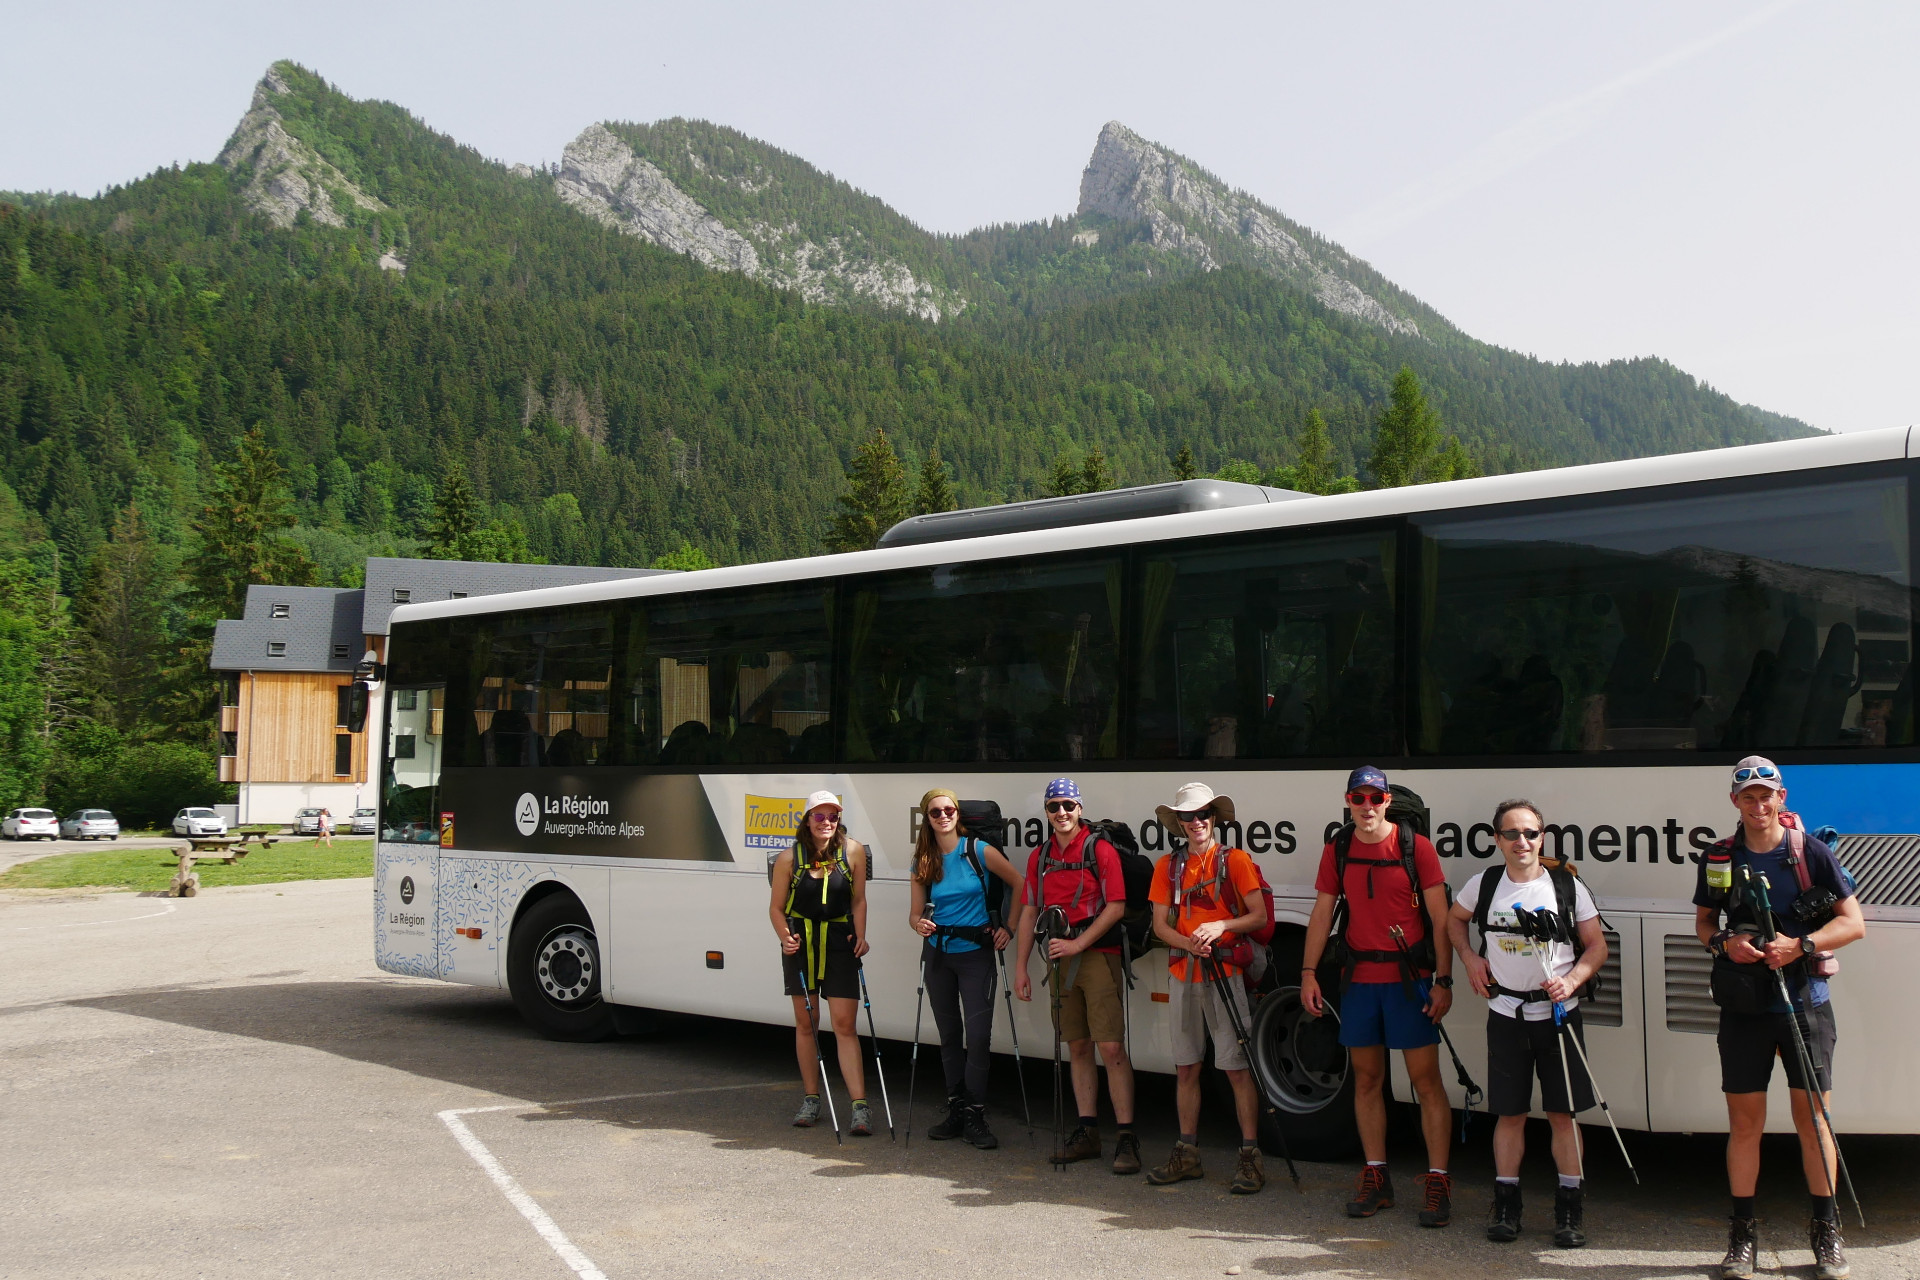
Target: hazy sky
(1731, 184)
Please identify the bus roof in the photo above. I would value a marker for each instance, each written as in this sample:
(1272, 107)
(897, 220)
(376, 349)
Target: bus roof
(1884, 445)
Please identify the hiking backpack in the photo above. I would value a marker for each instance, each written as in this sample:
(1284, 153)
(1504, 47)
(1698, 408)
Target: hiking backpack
(1410, 818)
(1259, 942)
(1136, 872)
(1823, 964)
(1566, 900)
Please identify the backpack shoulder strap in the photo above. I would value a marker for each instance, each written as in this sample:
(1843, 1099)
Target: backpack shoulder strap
(1483, 907)
(1797, 857)
(1342, 851)
(1566, 898)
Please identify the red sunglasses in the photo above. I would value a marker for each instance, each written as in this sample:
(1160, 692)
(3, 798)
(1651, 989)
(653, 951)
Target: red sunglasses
(1368, 798)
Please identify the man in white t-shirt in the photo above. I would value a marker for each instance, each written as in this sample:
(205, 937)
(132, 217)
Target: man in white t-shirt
(1522, 978)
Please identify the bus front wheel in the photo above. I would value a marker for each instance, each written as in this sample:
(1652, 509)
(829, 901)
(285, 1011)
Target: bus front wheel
(554, 973)
(1302, 1068)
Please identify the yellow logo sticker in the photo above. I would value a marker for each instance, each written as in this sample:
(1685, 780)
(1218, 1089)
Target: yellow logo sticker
(772, 820)
(446, 830)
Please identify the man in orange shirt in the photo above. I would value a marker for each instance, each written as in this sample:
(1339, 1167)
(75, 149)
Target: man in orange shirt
(1206, 899)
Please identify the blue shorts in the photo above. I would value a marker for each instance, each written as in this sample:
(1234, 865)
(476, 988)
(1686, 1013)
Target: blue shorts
(1376, 1013)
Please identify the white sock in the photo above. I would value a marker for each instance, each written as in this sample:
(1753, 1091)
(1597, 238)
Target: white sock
(1441, 1172)
(1378, 1164)
(1570, 1180)
(1512, 1182)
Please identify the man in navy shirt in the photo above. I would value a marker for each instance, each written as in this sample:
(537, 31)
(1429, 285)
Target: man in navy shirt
(1750, 1041)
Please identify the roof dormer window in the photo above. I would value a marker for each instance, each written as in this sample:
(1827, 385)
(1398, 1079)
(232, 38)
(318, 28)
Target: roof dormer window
(401, 595)
(280, 609)
(456, 595)
(276, 648)
(341, 652)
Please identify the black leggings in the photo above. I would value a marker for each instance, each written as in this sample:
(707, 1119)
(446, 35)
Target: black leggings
(953, 980)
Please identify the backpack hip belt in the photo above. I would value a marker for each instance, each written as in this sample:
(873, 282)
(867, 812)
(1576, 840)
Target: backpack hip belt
(1536, 996)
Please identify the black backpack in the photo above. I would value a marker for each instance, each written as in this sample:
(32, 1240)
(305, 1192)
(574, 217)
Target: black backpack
(1565, 901)
(981, 819)
(1410, 818)
(1135, 929)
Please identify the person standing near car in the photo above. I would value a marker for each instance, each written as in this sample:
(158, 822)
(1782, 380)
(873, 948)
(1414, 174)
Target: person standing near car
(324, 826)
(1388, 1001)
(1811, 922)
(950, 899)
(1205, 900)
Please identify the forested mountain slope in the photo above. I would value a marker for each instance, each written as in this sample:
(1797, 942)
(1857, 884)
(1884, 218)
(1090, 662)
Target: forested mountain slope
(383, 302)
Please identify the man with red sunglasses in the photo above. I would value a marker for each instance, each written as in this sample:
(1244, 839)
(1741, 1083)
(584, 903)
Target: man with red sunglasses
(1389, 1001)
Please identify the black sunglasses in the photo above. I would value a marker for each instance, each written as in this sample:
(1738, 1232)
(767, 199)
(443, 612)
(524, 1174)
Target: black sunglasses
(1062, 806)
(1517, 833)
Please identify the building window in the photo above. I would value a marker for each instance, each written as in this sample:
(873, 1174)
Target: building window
(280, 609)
(342, 706)
(401, 595)
(342, 754)
(342, 651)
(230, 689)
(456, 595)
(408, 699)
(276, 648)
(403, 745)
(229, 744)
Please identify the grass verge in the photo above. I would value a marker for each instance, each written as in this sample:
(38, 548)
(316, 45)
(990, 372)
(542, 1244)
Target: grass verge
(150, 869)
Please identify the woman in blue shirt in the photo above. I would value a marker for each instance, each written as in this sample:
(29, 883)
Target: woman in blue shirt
(950, 911)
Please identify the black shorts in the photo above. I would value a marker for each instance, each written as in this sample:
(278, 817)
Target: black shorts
(1749, 1042)
(1518, 1050)
(842, 980)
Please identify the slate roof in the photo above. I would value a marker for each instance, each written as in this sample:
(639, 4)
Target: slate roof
(424, 580)
(319, 632)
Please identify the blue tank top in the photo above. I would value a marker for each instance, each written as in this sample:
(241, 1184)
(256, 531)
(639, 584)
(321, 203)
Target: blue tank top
(959, 897)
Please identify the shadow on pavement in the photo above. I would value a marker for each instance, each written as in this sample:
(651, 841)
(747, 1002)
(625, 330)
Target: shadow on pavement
(475, 1039)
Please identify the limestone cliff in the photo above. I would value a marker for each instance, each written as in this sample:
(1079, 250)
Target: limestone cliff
(284, 175)
(1194, 214)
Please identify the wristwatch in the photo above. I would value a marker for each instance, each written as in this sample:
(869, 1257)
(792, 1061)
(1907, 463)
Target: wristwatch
(1444, 982)
(1808, 946)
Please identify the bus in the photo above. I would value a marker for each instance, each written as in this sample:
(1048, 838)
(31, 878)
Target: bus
(584, 785)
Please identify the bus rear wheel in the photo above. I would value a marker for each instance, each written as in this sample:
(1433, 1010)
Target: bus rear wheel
(1301, 1067)
(553, 971)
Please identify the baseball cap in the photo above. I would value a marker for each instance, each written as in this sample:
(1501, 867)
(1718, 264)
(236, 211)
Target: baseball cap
(1063, 789)
(819, 799)
(1368, 776)
(1758, 771)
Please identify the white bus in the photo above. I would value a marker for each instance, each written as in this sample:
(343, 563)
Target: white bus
(583, 784)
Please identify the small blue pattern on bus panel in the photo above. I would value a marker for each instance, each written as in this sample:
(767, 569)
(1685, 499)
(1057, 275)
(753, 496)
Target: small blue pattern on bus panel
(1856, 799)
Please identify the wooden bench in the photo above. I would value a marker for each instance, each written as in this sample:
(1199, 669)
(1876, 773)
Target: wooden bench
(224, 849)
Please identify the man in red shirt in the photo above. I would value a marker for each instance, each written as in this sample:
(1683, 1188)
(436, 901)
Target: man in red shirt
(1386, 1002)
(1079, 873)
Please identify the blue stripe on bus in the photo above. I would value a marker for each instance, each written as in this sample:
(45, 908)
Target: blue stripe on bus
(1857, 799)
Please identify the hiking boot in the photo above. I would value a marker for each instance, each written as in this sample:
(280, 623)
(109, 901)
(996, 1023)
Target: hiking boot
(1249, 1177)
(1743, 1244)
(1184, 1163)
(974, 1127)
(1082, 1144)
(1829, 1250)
(1126, 1153)
(1372, 1193)
(1436, 1199)
(809, 1113)
(956, 1119)
(1569, 1217)
(862, 1126)
(1503, 1223)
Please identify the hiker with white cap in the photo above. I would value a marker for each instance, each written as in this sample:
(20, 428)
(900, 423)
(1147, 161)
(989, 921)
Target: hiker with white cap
(819, 913)
(1206, 900)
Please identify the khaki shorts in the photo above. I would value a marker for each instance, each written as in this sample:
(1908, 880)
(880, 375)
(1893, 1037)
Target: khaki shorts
(1195, 1010)
(1091, 1008)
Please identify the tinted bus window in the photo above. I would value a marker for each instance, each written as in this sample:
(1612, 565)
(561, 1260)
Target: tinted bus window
(738, 677)
(539, 686)
(1736, 621)
(994, 661)
(1282, 647)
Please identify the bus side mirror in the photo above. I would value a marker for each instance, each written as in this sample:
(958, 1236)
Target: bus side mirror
(356, 706)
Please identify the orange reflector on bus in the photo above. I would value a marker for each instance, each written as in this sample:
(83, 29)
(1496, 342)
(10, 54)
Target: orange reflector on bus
(716, 960)
(1160, 997)
(469, 933)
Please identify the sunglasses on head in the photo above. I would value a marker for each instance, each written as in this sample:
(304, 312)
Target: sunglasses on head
(1366, 797)
(1194, 815)
(943, 813)
(1764, 772)
(1062, 806)
(1517, 833)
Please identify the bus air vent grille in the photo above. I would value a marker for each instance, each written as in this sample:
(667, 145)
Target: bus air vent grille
(1690, 1004)
(1885, 869)
(1604, 1010)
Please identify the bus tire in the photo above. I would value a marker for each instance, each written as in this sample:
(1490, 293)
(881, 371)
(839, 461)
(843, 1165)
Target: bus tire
(554, 971)
(1314, 1099)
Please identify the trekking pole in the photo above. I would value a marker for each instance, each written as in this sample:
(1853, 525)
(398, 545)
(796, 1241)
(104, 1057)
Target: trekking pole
(1051, 919)
(1210, 969)
(1563, 1032)
(1815, 1096)
(1007, 990)
(878, 1070)
(1552, 930)
(913, 1063)
(1474, 1096)
(813, 1021)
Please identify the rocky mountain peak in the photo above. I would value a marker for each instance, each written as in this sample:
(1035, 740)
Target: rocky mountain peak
(1193, 213)
(284, 175)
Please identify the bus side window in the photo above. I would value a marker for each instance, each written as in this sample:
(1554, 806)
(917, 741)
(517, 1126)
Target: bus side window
(1777, 616)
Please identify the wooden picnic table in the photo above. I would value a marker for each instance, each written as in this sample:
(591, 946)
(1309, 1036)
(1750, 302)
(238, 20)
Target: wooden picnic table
(225, 849)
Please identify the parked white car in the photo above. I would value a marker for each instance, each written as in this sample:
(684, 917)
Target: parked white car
(29, 824)
(198, 822)
(307, 822)
(90, 824)
(366, 822)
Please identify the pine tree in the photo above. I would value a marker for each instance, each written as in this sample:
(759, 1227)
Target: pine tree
(1183, 466)
(1094, 474)
(1312, 470)
(876, 498)
(1454, 464)
(455, 515)
(1406, 443)
(1066, 480)
(935, 492)
(122, 610)
(688, 557)
(241, 542)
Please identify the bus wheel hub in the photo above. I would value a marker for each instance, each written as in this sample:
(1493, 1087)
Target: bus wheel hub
(566, 965)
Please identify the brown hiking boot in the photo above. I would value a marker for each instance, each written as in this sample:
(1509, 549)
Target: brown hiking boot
(1436, 1199)
(1126, 1153)
(1082, 1144)
(1184, 1163)
(1372, 1193)
(1743, 1244)
(1829, 1250)
(1249, 1177)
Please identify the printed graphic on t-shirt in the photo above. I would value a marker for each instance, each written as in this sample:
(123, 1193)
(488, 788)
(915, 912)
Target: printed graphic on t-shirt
(1515, 962)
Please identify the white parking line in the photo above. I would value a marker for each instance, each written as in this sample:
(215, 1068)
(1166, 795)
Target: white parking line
(517, 1196)
(81, 924)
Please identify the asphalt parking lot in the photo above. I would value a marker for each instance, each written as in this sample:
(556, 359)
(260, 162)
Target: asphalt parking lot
(225, 1086)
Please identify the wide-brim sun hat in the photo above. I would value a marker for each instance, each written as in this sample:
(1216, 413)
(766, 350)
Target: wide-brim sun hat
(1191, 796)
(821, 799)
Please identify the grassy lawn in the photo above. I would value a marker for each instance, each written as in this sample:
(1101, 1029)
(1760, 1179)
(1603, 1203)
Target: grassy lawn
(154, 868)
